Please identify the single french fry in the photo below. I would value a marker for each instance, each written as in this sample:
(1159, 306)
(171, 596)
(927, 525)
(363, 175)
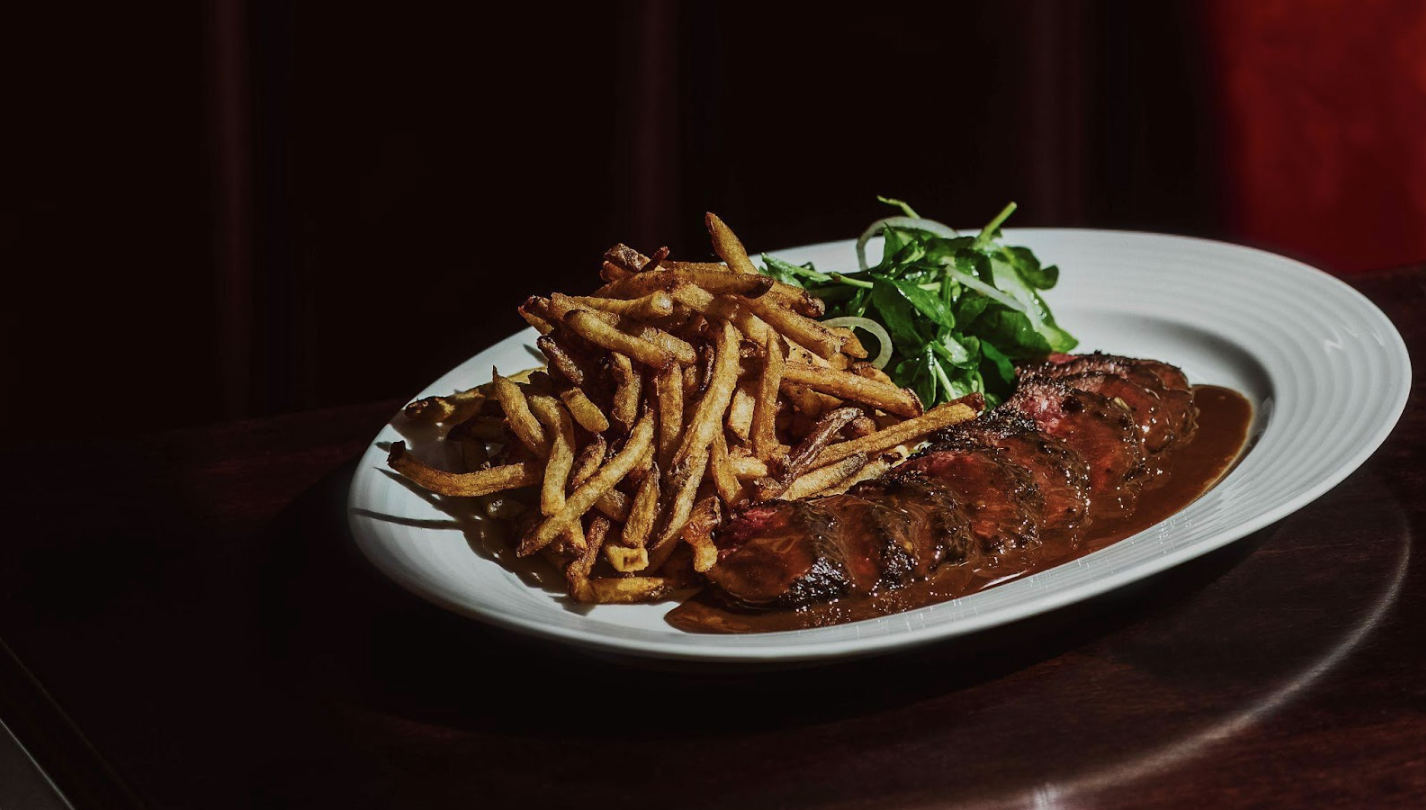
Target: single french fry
(622, 590)
(851, 344)
(720, 468)
(456, 407)
(560, 462)
(468, 485)
(589, 326)
(626, 560)
(585, 496)
(824, 478)
(764, 426)
(871, 372)
(698, 532)
(561, 360)
(657, 304)
(626, 257)
(714, 281)
(945, 415)
(668, 391)
(517, 412)
(740, 412)
(585, 412)
(644, 512)
(748, 468)
(587, 462)
(845, 384)
(628, 387)
(614, 504)
(728, 246)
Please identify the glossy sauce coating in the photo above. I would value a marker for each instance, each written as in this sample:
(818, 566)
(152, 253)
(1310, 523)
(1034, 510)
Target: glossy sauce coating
(1180, 476)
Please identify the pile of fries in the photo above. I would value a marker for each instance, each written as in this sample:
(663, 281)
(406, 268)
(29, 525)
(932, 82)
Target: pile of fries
(675, 394)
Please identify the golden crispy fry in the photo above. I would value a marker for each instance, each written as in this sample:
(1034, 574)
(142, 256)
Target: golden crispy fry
(728, 246)
(621, 590)
(560, 428)
(456, 407)
(871, 372)
(626, 257)
(657, 304)
(585, 496)
(821, 340)
(827, 428)
(844, 384)
(720, 468)
(681, 350)
(469, 485)
(691, 460)
(950, 413)
(592, 328)
(714, 281)
(561, 360)
(614, 504)
(764, 434)
(805, 401)
(668, 391)
(628, 387)
(644, 512)
(824, 478)
(594, 538)
(585, 412)
(740, 412)
(851, 345)
(587, 462)
(748, 468)
(517, 412)
(698, 532)
(626, 560)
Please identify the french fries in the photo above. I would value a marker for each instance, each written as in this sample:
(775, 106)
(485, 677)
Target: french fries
(675, 394)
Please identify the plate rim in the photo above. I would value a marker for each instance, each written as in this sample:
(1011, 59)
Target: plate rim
(799, 647)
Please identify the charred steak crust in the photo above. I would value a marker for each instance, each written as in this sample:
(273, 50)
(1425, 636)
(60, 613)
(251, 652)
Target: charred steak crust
(1070, 446)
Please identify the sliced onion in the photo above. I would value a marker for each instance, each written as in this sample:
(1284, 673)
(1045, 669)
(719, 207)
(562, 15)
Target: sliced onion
(877, 330)
(915, 223)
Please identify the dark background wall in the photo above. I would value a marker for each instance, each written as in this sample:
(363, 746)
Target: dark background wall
(237, 208)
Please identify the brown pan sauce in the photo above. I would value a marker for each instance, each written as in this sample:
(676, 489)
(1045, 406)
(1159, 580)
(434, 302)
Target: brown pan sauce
(1183, 474)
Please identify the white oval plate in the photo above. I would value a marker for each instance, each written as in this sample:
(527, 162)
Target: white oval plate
(1327, 372)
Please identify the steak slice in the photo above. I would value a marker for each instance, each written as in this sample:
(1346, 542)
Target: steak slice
(999, 497)
(1102, 432)
(1058, 470)
(924, 519)
(779, 554)
(1174, 416)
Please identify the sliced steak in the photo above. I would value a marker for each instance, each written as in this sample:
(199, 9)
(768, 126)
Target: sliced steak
(1102, 432)
(1058, 470)
(779, 554)
(1173, 418)
(925, 521)
(999, 497)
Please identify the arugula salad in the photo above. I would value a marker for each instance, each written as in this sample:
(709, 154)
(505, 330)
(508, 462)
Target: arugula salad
(949, 314)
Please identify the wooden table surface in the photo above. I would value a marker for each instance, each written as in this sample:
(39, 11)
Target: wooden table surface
(186, 624)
